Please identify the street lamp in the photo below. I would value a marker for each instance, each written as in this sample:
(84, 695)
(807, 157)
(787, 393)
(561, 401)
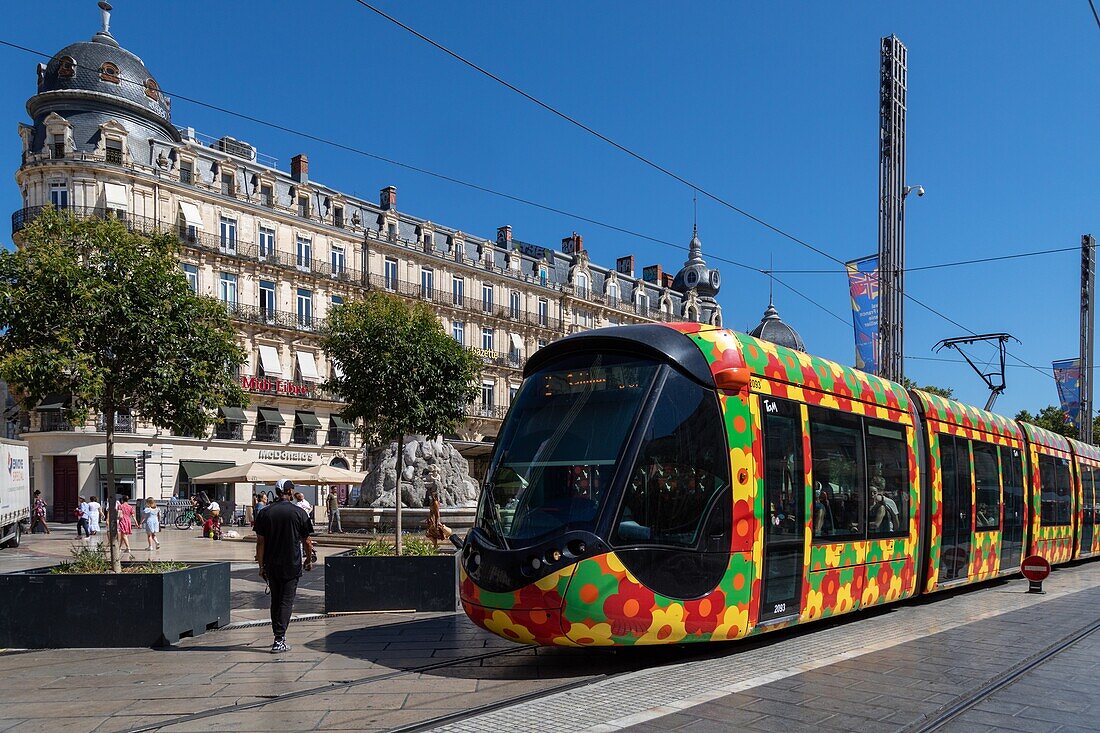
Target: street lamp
(919, 190)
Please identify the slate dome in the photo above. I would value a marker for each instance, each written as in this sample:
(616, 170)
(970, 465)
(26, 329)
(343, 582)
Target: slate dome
(773, 329)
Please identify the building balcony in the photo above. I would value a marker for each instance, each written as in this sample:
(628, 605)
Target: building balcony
(199, 239)
(492, 412)
(496, 358)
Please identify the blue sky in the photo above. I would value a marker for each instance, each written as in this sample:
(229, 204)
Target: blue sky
(771, 105)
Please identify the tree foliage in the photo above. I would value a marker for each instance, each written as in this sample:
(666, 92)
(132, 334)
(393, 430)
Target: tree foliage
(104, 315)
(401, 374)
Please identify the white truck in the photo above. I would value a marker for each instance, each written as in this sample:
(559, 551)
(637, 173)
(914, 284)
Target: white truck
(15, 494)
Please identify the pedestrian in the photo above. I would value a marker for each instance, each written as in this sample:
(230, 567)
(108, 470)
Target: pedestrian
(261, 504)
(82, 518)
(151, 521)
(283, 550)
(333, 504)
(125, 524)
(300, 500)
(38, 513)
(95, 514)
(436, 530)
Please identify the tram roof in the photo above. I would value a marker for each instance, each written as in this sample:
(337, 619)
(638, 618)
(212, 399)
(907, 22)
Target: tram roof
(1045, 438)
(1086, 450)
(958, 413)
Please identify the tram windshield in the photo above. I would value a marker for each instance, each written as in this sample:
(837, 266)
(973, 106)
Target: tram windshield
(556, 457)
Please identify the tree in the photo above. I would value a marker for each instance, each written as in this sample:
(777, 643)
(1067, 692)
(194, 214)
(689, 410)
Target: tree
(400, 374)
(945, 392)
(92, 310)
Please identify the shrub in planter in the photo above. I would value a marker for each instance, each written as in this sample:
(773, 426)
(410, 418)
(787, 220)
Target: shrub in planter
(149, 604)
(371, 578)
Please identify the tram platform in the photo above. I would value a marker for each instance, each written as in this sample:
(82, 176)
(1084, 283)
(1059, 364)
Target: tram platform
(966, 660)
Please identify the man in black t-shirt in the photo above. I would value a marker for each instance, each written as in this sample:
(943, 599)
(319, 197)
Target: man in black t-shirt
(283, 549)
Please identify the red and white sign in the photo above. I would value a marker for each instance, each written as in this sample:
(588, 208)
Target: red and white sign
(1035, 568)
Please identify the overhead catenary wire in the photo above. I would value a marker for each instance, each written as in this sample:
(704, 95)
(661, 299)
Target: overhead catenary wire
(648, 162)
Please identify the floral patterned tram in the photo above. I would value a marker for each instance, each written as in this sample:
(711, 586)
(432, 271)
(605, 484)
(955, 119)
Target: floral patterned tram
(669, 484)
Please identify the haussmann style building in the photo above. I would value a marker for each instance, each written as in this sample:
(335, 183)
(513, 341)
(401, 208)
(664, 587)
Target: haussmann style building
(280, 248)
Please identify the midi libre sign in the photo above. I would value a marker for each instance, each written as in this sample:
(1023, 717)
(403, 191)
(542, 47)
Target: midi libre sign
(278, 386)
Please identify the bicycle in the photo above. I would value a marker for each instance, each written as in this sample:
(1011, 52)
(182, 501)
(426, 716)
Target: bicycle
(188, 518)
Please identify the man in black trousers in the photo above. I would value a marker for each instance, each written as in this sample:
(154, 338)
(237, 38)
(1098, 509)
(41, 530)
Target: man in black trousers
(283, 549)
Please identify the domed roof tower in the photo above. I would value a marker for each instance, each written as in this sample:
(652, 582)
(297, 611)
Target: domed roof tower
(695, 275)
(90, 82)
(772, 328)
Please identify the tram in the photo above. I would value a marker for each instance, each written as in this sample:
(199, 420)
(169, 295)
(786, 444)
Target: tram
(665, 484)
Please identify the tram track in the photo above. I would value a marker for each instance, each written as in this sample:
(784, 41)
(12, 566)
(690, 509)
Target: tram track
(962, 704)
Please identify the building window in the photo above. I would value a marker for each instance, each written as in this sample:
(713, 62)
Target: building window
(487, 399)
(267, 242)
(487, 339)
(487, 298)
(514, 304)
(544, 312)
(427, 282)
(66, 67)
(305, 253)
(582, 285)
(541, 343)
(643, 304)
(59, 195)
(427, 240)
(582, 317)
(339, 259)
(267, 300)
(267, 194)
(458, 291)
(192, 274)
(305, 308)
(337, 300)
(59, 146)
(389, 273)
(542, 275)
(458, 331)
(338, 216)
(108, 72)
(227, 288)
(152, 90)
(303, 206)
(229, 186)
(228, 235)
(613, 294)
(391, 232)
(186, 171)
(114, 151)
(513, 390)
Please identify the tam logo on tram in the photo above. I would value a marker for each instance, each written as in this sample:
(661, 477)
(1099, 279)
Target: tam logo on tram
(665, 484)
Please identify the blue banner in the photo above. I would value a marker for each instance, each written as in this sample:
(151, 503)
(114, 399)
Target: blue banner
(863, 285)
(1067, 375)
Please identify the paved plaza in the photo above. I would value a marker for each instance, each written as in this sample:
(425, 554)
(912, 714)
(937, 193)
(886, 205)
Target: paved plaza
(894, 669)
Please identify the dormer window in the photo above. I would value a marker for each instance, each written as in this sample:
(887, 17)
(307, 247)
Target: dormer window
(152, 90)
(113, 150)
(338, 216)
(303, 206)
(229, 187)
(187, 171)
(59, 146)
(109, 72)
(66, 68)
(267, 194)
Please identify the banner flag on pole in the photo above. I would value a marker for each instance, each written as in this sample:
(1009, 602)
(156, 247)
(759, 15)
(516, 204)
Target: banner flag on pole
(1067, 375)
(864, 287)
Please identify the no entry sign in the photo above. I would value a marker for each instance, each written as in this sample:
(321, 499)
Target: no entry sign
(1036, 569)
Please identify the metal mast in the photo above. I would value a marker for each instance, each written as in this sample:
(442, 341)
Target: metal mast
(891, 211)
(1088, 309)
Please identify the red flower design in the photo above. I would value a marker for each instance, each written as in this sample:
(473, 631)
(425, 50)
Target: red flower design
(907, 576)
(702, 616)
(630, 611)
(830, 584)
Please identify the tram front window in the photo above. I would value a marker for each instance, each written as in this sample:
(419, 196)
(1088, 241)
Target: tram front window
(556, 456)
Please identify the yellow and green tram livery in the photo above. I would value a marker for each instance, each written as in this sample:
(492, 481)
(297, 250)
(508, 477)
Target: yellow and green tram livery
(664, 484)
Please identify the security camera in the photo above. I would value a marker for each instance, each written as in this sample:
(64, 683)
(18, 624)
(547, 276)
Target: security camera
(920, 190)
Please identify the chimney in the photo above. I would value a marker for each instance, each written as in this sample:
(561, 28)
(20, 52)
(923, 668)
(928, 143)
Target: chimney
(504, 236)
(667, 280)
(387, 198)
(625, 265)
(652, 274)
(299, 168)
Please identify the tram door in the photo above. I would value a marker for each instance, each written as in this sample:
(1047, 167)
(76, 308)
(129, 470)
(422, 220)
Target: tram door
(784, 509)
(1012, 535)
(957, 508)
(1088, 507)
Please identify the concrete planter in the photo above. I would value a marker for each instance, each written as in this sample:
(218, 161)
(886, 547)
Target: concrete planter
(390, 583)
(39, 610)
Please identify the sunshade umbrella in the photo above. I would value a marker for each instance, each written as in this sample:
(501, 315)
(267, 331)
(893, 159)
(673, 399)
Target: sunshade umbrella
(330, 475)
(253, 473)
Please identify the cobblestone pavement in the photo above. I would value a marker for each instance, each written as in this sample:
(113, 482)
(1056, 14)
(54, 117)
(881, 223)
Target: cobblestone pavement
(878, 671)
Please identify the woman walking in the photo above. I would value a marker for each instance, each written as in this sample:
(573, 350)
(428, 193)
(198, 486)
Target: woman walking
(38, 512)
(95, 513)
(125, 524)
(151, 521)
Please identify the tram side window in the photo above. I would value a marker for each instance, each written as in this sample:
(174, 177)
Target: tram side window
(1088, 498)
(888, 466)
(1055, 497)
(680, 486)
(838, 474)
(987, 480)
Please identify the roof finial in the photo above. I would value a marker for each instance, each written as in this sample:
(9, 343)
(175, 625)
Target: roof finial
(694, 213)
(105, 9)
(771, 280)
